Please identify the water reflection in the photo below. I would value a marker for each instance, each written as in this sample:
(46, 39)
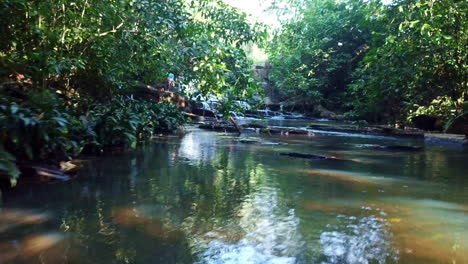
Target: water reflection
(198, 147)
(267, 233)
(209, 198)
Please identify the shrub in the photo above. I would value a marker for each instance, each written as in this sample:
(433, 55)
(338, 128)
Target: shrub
(58, 133)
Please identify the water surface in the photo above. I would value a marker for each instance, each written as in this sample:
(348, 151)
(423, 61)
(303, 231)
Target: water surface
(210, 197)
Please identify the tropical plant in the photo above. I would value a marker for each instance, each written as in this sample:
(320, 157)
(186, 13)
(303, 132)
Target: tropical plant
(32, 134)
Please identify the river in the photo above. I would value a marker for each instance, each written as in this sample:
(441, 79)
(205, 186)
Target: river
(209, 197)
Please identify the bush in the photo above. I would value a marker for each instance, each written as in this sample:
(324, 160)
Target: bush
(443, 108)
(32, 135)
(58, 133)
(126, 121)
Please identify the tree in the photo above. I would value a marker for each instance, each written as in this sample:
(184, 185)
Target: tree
(66, 65)
(314, 55)
(417, 54)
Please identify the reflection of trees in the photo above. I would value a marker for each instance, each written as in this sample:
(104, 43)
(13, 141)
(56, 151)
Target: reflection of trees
(437, 165)
(217, 187)
(150, 206)
(197, 147)
(159, 185)
(246, 220)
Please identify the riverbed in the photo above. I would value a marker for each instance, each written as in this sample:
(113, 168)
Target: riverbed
(208, 197)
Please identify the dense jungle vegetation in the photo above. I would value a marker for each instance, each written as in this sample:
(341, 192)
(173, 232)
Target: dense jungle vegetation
(69, 68)
(380, 62)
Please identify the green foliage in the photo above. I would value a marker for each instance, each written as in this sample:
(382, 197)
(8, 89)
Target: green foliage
(392, 59)
(442, 107)
(92, 52)
(101, 48)
(126, 121)
(219, 65)
(463, 115)
(314, 56)
(7, 165)
(33, 134)
(417, 55)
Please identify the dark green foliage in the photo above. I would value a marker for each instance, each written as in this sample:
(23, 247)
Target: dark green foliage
(7, 165)
(101, 48)
(126, 121)
(314, 56)
(393, 62)
(37, 135)
(64, 66)
(417, 55)
(32, 135)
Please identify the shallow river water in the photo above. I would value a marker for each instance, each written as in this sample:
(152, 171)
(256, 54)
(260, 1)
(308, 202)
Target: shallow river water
(209, 197)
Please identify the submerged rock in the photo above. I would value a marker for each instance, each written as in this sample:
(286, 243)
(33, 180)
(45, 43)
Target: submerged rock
(33, 245)
(400, 148)
(303, 156)
(390, 147)
(255, 142)
(219, 127)
(149, 219)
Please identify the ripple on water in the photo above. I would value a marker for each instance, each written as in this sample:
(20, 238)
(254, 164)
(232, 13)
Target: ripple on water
(358, 241)
(269, 234)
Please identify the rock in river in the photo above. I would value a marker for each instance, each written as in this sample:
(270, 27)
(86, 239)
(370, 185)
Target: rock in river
(400, 148)
(303, 156)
